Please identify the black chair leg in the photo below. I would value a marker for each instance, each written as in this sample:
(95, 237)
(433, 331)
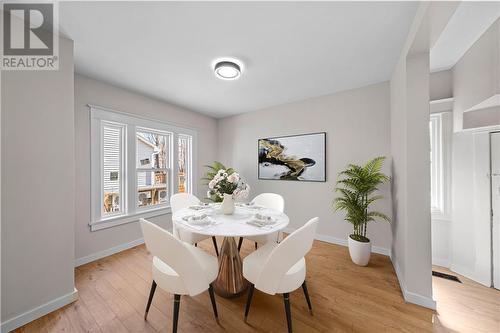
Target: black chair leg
(177, 303)
(239, 243)
(214, 305)
(215, 245)
(306, 294)
(286, 299)
(256, 245)
(150, 299)
(251, 287)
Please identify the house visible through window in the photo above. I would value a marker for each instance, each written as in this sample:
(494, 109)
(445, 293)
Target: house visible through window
(137, 164)
(153, 150)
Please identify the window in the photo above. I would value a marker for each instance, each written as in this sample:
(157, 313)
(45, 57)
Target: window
(136, 165)
(184, 163)
(436, 159)
(152, 163)
(112, 168)
(440, 130)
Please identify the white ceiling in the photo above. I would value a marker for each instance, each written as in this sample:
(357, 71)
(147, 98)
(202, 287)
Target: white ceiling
(291, 50)
(468, 23)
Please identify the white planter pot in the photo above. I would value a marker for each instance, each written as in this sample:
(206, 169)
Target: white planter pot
(360, 252)
(227, 206)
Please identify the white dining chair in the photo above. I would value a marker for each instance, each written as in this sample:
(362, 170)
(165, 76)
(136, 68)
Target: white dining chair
(178, 268)
(280, 268)
(183, 200)
(271, 201)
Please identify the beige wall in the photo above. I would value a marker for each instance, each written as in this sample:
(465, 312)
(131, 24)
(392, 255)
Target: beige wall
(411, 247)
(476, 78)
(418, 204)
(38, 177)
(398, 168)
(357, 127)
(90, 91)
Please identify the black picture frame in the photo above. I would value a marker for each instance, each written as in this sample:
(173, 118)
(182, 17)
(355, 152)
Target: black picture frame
(289, 136)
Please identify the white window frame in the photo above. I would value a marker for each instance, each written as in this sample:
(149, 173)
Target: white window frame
(131, 211)
(189, 160)
(168, 169)
(440, 126)
(122, 172)
(437, 163)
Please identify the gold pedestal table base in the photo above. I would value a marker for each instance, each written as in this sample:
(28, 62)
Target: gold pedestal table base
(230, 281)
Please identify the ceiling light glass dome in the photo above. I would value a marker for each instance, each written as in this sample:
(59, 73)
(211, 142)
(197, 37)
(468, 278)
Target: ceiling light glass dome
(227, 70)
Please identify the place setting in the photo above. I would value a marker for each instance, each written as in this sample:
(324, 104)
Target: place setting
(262, 221)
(201, 206)
(199, 221)
(249, 205)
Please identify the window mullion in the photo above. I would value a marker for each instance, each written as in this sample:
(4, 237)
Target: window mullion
(131, 173)
(174, 164)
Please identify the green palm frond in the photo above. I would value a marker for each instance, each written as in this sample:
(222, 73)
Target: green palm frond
(357, 186)
(379, 215)
(210, 174)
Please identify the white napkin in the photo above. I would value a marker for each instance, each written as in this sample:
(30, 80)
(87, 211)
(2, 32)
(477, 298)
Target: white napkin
(250, 205)
(260, 220)
(199, 207)
(198, 220)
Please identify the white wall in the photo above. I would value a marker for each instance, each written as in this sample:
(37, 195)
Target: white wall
(411, 248)
(357, 127)
(418, 239)
(467, 234)
(91, 91)
(398, 168)
(441, 85)
(475, 78)
(411, 251)
(38, 173)
(470, 237)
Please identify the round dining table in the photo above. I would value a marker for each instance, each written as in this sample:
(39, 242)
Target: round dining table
(230, 281)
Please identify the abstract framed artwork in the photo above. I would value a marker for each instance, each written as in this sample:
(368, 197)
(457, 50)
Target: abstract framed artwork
(294, 157)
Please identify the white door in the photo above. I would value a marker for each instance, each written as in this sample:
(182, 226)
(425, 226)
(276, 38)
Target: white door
(495, 205)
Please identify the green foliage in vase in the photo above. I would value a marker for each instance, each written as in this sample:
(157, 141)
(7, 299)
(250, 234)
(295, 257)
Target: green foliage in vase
(357, 186)
(210, 174)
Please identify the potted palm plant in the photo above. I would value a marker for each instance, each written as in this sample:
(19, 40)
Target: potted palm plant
(357, 186)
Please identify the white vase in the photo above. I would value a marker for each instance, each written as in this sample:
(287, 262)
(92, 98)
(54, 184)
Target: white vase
(227, 205)
(360, 251)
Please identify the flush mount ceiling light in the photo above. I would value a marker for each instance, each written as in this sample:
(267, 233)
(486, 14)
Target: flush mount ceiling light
(227, 69)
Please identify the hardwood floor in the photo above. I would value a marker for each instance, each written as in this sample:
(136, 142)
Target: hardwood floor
(466, 306)
(345, 298)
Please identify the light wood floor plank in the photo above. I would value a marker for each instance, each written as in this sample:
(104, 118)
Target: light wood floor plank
(346, 298)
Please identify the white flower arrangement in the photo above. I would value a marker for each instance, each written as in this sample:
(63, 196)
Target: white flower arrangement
(224, 183)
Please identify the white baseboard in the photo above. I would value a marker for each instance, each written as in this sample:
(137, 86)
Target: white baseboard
(42, 310)
(471, 274)
(108, 252)
(441, 262)
(409, 296)
(341, 241)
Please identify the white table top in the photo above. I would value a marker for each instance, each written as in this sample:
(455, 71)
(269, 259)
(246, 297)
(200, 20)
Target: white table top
(231, 225)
